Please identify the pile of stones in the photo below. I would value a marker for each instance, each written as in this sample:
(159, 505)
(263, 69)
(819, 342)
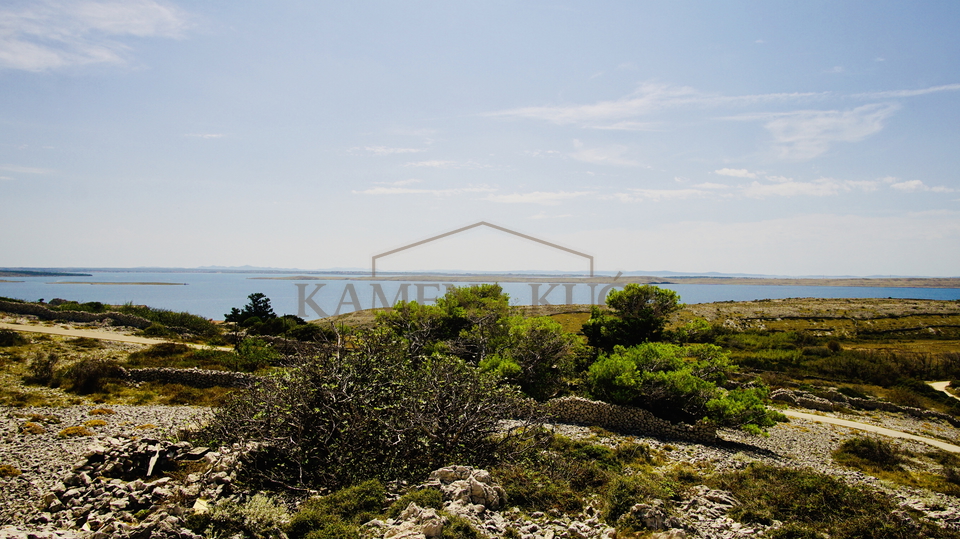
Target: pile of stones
(126, 488)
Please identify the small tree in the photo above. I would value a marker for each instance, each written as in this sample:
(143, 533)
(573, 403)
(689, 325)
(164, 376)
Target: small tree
(640, 314)
(258, 306)
(537, 355)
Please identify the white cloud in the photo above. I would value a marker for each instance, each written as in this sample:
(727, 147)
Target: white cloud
(435, 163)
(918, 185)
(411, 181)
(779, 179)
(5, 178)
(544, 215)
(408, 191)
(648, 98)
(819, 187)
(908, 93)
(25, 170)
(204, 135)
(735, 172)
(710, 185)
(630, 126)
(384, 150)
(835, 69)
(806, 134)
(54, 34)
(611, 155)
(538, 197)
(656, 195)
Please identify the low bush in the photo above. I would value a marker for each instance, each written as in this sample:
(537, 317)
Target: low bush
(8, 470)
(260, 517)
(40, 370)
(89, 375)
(810, 501)
(32, 428)
(101, 411)
(424, 497)
(12, 338)
(73, 432)
(338, 514)
(370, 412)
(863, 452)
(94, 423)
(181, 323)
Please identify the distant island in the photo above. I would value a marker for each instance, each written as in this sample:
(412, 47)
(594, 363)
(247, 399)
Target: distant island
(31, 273)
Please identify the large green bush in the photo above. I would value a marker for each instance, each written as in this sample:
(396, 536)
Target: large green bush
(679, 383)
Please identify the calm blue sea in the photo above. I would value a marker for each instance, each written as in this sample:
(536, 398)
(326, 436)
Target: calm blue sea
(213, 294)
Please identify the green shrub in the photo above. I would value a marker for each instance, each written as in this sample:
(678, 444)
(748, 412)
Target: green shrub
(680, 384)
(89, 375)
(40, 370)
(862, 452)
(371, 412)
(12, 338)
(259, 517)
(626, 491)
(810, 501)
(425, 497)
(338, 514)
(535, 490)
(181, 323)
(458, 527)
(254, 354)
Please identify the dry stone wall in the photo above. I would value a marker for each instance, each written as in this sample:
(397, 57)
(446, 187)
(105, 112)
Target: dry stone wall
(43, 313)
(201, 378)
(625, 419)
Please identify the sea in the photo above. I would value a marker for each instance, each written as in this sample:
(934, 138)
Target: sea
(212, 295)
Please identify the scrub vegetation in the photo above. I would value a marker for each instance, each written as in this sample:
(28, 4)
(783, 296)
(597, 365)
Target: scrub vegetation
(359, 411)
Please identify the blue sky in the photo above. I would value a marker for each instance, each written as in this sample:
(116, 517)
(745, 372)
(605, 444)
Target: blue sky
(788, 138)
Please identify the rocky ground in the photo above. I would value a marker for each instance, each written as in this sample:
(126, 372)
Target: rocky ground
(68, 468)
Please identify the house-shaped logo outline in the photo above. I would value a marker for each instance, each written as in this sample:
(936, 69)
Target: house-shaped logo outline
(373, 262)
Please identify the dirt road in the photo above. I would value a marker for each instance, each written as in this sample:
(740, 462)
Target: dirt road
(97, 334)
(872, 428)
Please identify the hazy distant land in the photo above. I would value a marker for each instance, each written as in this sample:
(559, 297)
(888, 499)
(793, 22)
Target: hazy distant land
(892, 282)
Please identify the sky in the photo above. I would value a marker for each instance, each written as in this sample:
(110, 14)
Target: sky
(762, 137)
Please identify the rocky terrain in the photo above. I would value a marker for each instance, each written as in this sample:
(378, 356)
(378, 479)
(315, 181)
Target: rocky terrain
(98, 485)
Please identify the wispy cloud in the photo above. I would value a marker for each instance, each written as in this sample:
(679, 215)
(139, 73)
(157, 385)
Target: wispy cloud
(657, 195)
(397, 190)
(398, 183)
(54, 34)
(385, 150)
(435, 163)
(820, 187)
(806, 134)
(735, 172)
(609, 155)
(6, 178)
(710, 185)
(204, 135)
(544, 215)
(908, 93)
(25, 170)
(918, 185)
(648, 98)
(549, 198)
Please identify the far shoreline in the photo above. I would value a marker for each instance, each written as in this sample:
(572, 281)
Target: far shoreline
(881, 282)
(122, 283)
